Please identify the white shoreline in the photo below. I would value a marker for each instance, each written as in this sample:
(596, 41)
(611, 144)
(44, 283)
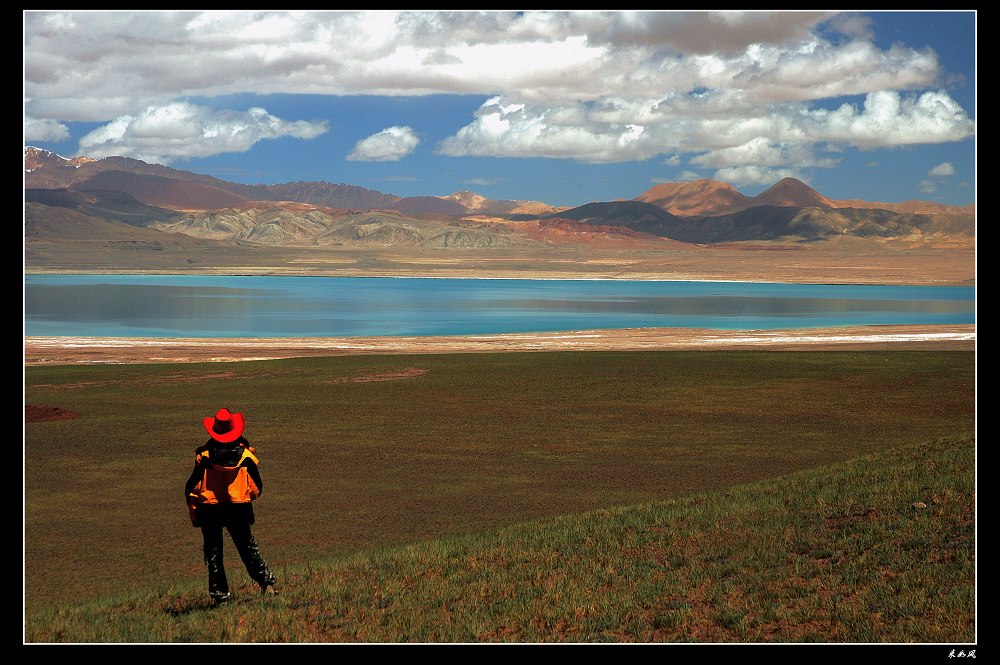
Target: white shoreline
(39, 350)
(336, 343)
(533, 278)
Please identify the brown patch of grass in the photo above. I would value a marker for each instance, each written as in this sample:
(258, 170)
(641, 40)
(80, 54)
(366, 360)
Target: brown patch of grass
(37, 413)
(73, 386)
(408, 373)
(856, 514)
(188, 378)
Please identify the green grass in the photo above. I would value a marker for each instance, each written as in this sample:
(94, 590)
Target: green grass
(842, 553)
(702, 496)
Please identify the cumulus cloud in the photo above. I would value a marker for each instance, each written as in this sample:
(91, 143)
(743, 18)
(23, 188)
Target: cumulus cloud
(181, 130)
(44, 130)
(891, 119)
(732, 90)
(724, 135)
(942, 169)
(927, 186)
(515, 130)
(85, 65)
(389, 145)
(761, 151)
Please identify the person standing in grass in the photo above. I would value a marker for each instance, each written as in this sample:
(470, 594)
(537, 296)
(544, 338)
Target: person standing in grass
(220, 491)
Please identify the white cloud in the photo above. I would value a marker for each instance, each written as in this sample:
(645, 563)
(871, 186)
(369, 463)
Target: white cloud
(762, 152)
(482, 182)
(891, 119)
(516, 130)
(98, 65)
(162, 134)
(44, 130)
(729, 89)
(389, 145)
(942, 169)
(673, 160)
(927, 186)
(730, 134)
(689, 175)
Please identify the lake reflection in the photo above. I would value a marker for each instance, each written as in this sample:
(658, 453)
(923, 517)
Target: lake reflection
(222, 306)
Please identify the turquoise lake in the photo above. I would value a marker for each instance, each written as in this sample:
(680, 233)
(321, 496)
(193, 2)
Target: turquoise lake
(266, 306)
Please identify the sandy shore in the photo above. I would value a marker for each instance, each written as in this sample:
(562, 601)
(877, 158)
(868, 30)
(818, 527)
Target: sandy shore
(111, 350)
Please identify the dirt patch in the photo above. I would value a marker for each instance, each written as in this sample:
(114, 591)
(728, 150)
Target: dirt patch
(37, 413)
(408, 373)
(69, 386)
(179, 378)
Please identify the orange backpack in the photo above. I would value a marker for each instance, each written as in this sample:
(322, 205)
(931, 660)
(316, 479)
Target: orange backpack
(226, 484)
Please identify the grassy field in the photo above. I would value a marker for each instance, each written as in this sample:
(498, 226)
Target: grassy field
(635, 496)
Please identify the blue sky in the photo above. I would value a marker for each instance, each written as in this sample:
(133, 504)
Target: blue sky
(564, 107)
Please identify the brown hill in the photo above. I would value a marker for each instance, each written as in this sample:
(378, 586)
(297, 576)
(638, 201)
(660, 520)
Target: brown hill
(103, 204)
(791, 193)
(265, 224)
(480, 205)
(301, 225)
(558, 231)
(695, 198)
(60, 224)
(44, 169)
(634, 215)
(474, 202)
(183, 190)
(61, 172)
(823, 223)
(163, 192)
(37, 158)
(773, 222)
(47, 227)
(702, 198)
(429, 205)
(318, 193)
(914, 207)
(535, 208)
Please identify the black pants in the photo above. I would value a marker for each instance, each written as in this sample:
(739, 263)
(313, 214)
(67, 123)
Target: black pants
(239, 530)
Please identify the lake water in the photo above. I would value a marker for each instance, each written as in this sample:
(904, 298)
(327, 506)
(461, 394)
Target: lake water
(264, 306)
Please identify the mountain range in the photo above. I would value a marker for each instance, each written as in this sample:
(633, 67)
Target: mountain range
(711, 198)
(73, 197)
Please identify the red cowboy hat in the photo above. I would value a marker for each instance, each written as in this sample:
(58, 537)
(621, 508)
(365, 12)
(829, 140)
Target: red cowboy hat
(225, 427)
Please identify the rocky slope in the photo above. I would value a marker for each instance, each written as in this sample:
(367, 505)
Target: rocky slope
(303, 225)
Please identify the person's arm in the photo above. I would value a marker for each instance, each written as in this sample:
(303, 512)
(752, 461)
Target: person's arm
(192, 480)
(192, 502)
